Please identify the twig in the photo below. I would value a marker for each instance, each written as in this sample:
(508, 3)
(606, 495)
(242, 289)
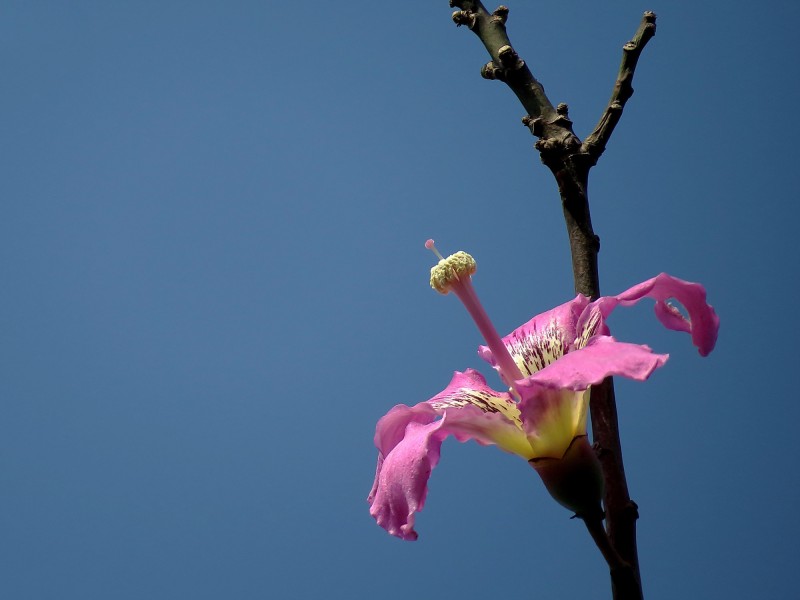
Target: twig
(595, 143)
(506, 65)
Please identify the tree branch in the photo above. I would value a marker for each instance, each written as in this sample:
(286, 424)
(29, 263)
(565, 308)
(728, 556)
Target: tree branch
(624, 580)
(570, 161)
(621, 511)
(595, 143)
(506, 66)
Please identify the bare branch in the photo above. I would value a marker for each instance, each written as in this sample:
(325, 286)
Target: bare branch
(595, 143)
(506, 65)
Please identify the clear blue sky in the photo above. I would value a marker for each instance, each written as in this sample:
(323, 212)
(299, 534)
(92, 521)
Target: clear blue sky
(214, 284)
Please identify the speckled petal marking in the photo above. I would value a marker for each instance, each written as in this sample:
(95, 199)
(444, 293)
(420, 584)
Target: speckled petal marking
(486, 402)
(536, 349)
(590, 327)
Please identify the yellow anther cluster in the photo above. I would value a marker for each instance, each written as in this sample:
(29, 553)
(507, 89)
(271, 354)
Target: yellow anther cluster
(450, 270)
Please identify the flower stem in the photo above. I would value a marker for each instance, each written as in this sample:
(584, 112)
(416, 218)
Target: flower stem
(624, 579)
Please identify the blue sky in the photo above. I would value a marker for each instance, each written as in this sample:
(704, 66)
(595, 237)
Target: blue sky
(213, 216)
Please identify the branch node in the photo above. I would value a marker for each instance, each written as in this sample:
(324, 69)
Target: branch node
(500, 14)
(563, 119)
(492, 71)
(464, 17)
(535, 125)
(598, 449)
(547, 145)
(509, 58)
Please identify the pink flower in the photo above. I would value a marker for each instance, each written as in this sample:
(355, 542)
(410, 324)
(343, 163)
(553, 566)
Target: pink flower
(549, 364)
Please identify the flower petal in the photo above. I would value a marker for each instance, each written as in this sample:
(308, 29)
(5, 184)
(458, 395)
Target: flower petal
(497, 418)
(409, 440)
(391, 428)
(702, 324)
(552, 418)
(401, 479)
(476, 411)
(602, 357)
(544, 339)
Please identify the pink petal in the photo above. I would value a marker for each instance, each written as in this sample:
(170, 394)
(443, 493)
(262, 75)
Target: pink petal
(490, 414)
(391, 428)
(401, 479)
(602, 357)
(703, 323)
(552, 417)
(543, 339)
(409, 440)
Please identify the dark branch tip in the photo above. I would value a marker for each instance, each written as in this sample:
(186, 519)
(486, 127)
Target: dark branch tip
(649, 16)
(562, 109)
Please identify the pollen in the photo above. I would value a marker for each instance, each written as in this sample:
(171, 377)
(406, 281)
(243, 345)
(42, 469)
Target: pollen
(451, 270)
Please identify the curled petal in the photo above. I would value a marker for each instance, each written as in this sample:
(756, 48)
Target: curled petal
(409, 440)
(602, 357)
(702, 324)
(391, 428)
(544, 339)
(401, 479)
